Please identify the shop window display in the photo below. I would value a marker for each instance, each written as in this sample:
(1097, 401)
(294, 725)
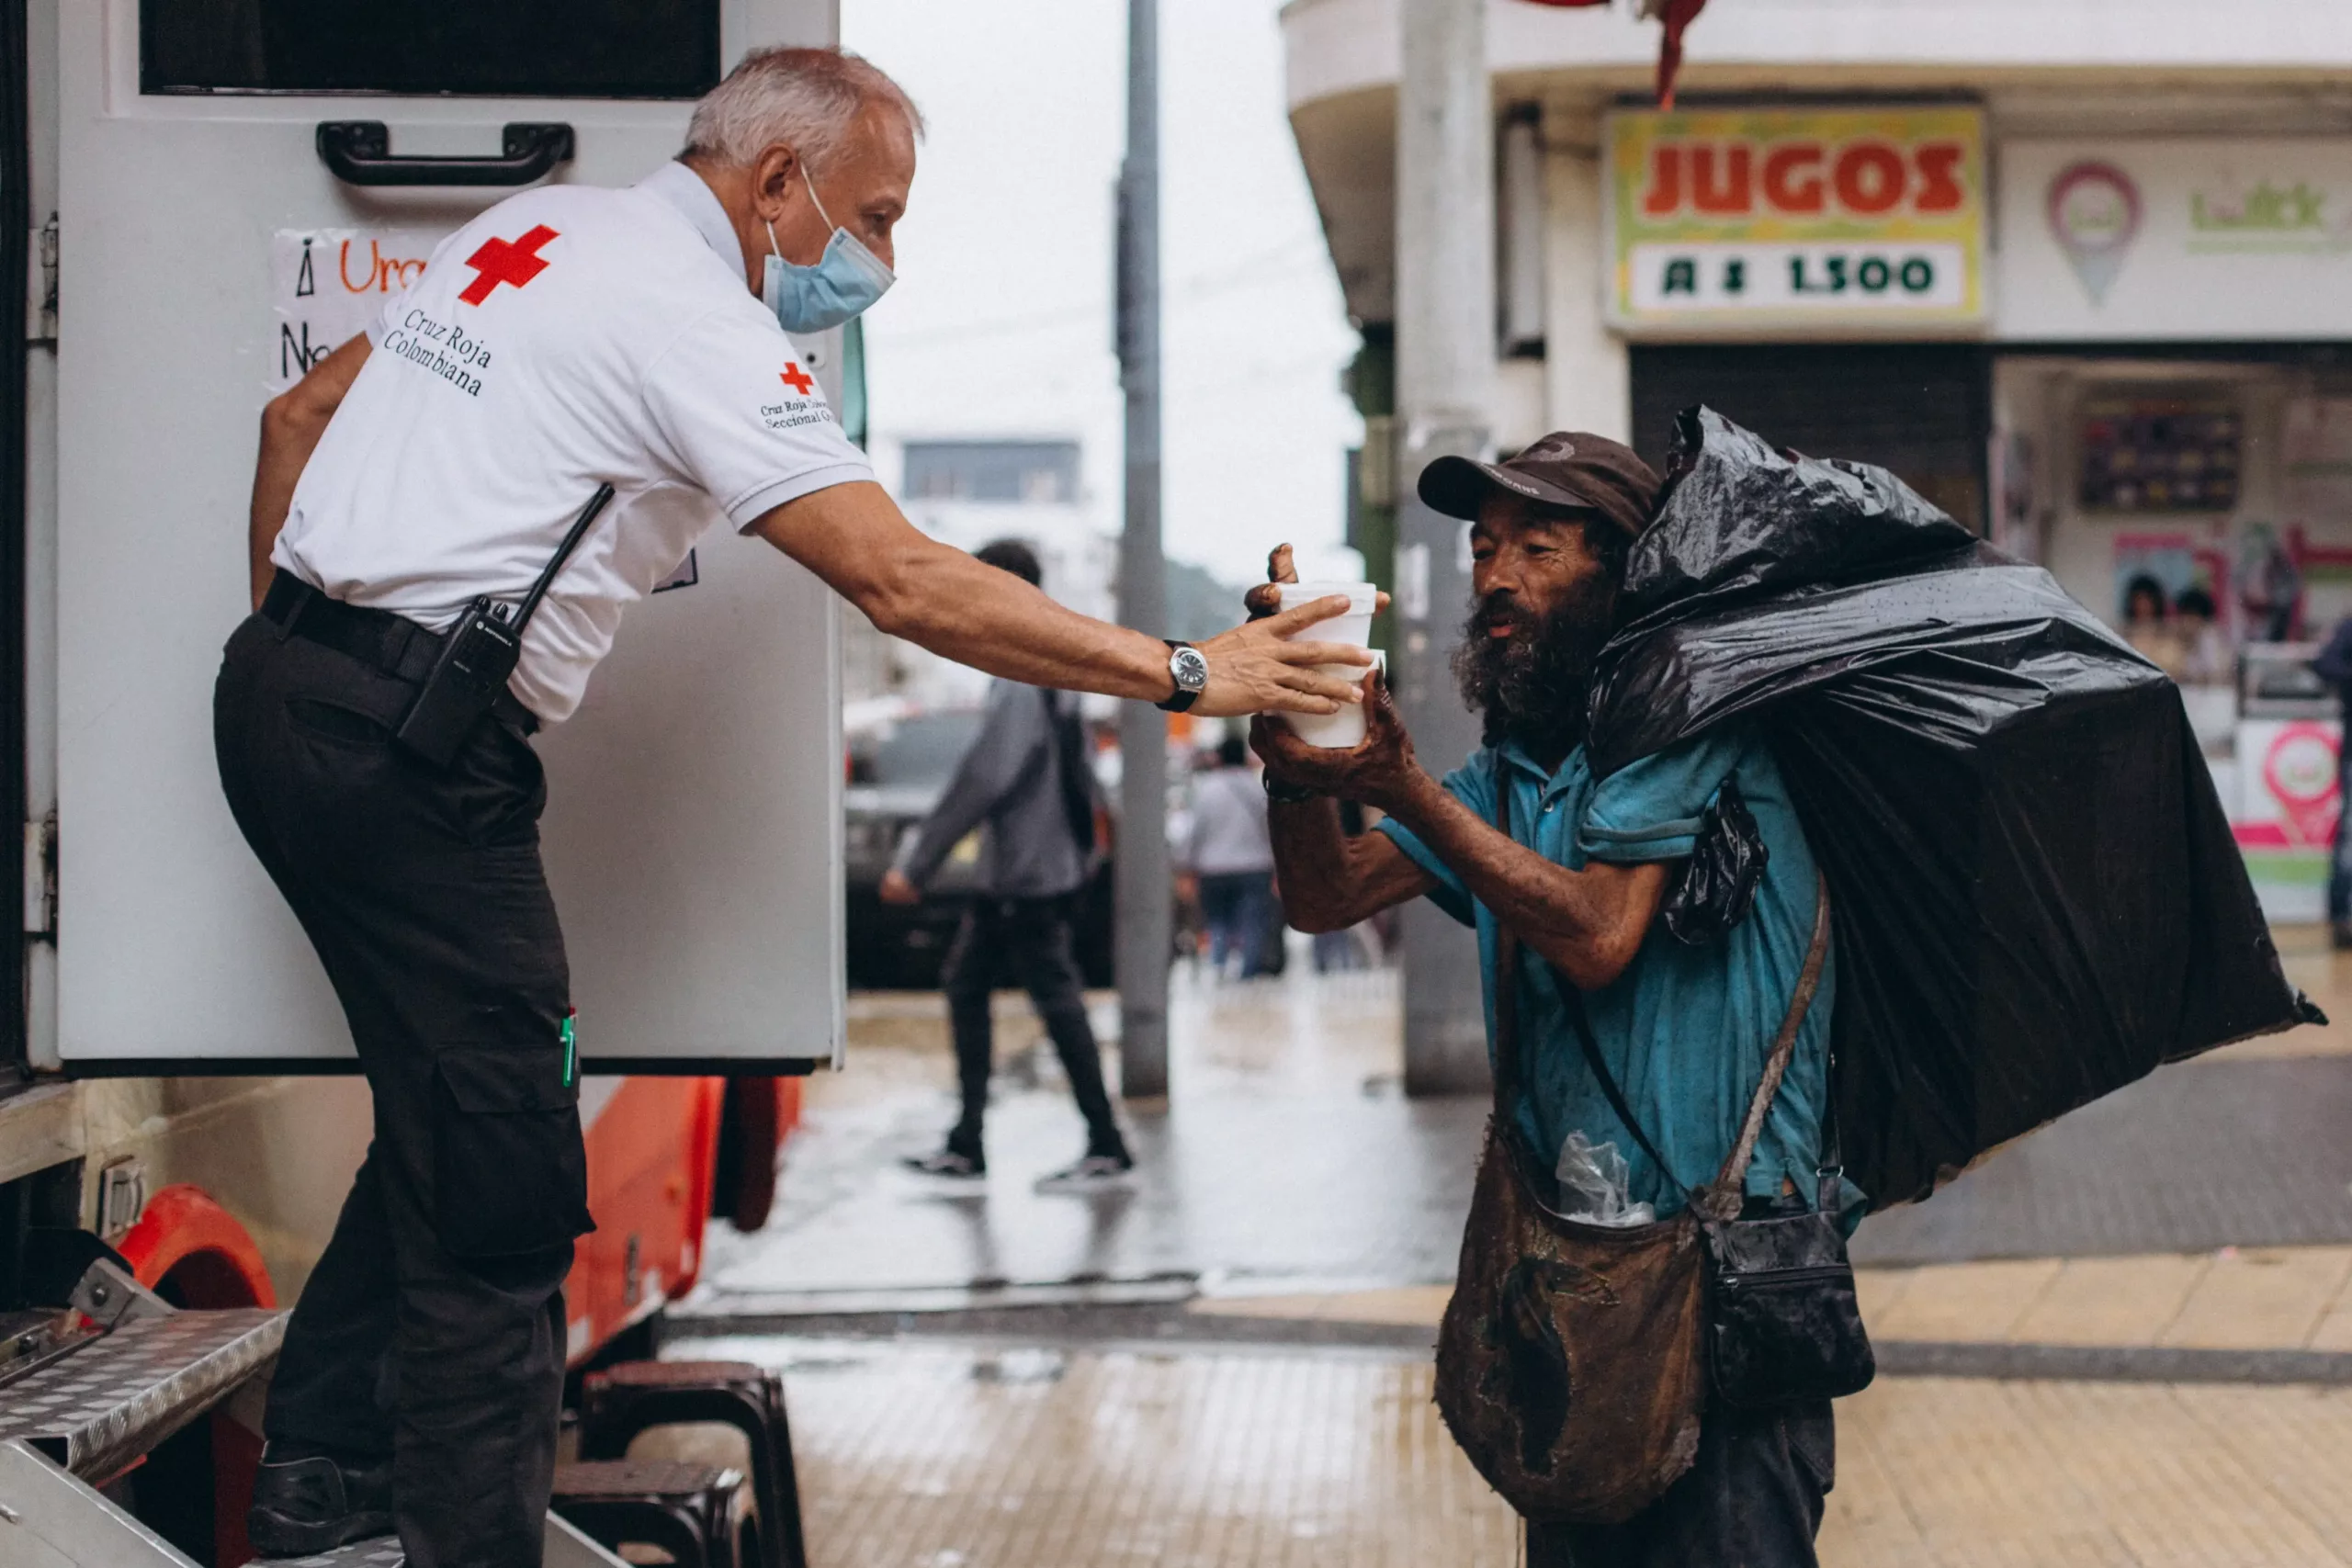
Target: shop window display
(2159, 455)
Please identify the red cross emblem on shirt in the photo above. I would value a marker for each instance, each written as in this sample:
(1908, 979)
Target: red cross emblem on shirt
(797, 379)
(506, 261)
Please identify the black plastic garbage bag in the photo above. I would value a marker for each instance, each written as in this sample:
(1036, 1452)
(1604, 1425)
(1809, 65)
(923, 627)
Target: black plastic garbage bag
(1717, 887)
(2037, 897)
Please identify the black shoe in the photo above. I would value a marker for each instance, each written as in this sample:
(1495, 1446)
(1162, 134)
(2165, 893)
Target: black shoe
(2339, 935)
(1095, 1173)
(304, 1506)
(950, 1163)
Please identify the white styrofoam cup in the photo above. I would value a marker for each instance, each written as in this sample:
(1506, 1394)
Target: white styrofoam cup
(1345, 728)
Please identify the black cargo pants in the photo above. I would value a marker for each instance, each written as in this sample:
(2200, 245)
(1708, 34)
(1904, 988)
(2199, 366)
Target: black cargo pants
(1031, 937)
(432, 1328)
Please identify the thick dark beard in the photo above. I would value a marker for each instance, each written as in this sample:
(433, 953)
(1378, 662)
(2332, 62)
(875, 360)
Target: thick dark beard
(1536, 685)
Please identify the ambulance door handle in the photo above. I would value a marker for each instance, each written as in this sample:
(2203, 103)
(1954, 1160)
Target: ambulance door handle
(359, 151)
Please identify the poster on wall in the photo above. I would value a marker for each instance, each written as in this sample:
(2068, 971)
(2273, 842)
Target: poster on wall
(2169, 567)
(326, 285)
(2172, 603)
(2287, 802)
(1768, 220)
(2175, 238)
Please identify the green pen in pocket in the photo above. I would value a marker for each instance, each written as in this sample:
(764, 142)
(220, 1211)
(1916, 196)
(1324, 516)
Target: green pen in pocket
(570, 1047)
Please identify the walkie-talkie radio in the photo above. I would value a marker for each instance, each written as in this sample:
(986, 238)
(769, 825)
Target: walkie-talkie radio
(479, 654)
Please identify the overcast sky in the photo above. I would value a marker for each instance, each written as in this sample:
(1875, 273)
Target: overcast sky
(1000, 320)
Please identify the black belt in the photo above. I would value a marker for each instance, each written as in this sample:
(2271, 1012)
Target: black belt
(385, 642)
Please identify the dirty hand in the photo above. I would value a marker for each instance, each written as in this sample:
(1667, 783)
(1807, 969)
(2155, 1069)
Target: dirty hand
(1266, 599)
(897, 889)
(1378, 770)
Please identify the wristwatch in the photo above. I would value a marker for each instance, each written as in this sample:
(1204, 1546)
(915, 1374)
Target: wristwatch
(1189, 669)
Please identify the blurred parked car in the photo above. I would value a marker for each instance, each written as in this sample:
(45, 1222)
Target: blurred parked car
(899, 763)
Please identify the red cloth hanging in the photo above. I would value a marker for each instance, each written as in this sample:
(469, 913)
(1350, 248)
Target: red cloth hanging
(1676, 15)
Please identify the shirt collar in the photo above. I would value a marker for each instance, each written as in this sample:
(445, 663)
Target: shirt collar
(698, 205)
(1514, 756)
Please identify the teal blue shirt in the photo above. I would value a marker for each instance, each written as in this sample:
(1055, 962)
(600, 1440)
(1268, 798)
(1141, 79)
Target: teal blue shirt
(1685, 1030)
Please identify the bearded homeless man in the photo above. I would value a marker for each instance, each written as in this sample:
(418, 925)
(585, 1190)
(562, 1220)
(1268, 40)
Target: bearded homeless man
(1579, 875)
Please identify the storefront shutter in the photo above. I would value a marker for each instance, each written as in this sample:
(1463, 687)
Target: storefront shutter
(1922, 410)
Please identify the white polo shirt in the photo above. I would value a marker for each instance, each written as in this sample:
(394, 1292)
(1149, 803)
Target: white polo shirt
(567, 337)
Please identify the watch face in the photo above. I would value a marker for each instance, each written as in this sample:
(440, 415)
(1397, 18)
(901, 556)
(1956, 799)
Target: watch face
(1191, 670)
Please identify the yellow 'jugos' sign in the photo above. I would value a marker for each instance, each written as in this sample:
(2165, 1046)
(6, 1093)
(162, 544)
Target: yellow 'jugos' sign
(1750, 220)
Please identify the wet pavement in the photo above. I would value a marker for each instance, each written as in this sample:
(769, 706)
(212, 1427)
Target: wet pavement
(2187, 1159)
(1288, 1160)
(1288, 1154)
(2125, 1340)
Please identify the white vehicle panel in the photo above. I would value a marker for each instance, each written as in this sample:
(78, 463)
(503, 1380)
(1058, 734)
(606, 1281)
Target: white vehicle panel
(693, 833)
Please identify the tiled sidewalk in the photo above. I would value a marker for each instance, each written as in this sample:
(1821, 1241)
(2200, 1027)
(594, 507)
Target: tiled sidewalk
(948, 1457)
(2296, 1298)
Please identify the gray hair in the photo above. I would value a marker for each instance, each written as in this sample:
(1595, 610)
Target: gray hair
(805, 98)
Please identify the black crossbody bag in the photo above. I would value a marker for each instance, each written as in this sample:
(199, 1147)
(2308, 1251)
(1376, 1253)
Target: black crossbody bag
(1782, 1321)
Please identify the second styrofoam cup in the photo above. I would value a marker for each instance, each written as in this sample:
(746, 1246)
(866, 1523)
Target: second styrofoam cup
(1345, 728)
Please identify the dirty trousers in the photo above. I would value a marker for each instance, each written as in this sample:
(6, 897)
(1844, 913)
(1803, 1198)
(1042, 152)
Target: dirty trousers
(1032, 938)
(1752, 1499)
(433, 1328)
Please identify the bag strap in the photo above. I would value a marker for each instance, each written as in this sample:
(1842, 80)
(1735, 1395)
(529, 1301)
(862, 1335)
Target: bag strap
(1733, 1175)
(1827, 1189)
(1725, 1190)
(1572, 1000)
(1507, 1063)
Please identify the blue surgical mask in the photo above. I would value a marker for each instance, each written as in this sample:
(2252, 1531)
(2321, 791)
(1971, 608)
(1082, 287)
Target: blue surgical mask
(847, 279)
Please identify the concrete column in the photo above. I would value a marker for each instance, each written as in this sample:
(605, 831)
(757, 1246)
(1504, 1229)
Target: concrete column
(1587, 381)
(1445, 376)
(1141, 895)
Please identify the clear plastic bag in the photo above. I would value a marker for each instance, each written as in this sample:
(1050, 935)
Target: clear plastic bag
(1594, 1186)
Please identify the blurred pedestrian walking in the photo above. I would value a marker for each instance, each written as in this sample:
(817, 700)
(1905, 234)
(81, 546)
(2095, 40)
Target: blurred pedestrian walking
(2333, 665)
(1025, 784)
(1230, 852)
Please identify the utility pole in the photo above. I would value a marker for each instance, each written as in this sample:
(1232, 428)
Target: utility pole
(1445, 376)
(1144, 940)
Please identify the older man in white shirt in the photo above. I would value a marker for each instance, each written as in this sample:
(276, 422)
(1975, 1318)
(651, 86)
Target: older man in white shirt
(410, 492)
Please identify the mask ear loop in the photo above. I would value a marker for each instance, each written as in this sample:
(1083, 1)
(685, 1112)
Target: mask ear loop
(813, 196)
(769, 223)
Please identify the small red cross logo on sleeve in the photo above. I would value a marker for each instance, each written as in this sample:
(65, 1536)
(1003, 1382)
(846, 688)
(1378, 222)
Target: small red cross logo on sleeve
(506, 261)
(797, 379)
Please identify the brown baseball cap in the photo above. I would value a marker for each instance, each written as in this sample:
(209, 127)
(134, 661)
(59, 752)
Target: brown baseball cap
(1568, 469)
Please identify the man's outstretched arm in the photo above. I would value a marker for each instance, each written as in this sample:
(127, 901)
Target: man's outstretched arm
(290, 427)
(910, 585)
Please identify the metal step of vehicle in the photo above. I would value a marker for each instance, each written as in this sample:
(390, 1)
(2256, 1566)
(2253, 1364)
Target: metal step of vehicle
(72, 1423)
(97, 1411)
(566, 1548)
